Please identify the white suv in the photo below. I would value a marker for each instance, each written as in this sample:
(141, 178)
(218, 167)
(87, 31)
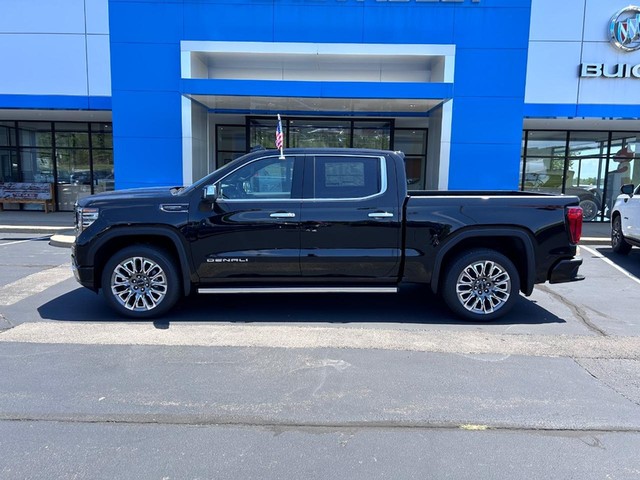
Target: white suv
(625, 220)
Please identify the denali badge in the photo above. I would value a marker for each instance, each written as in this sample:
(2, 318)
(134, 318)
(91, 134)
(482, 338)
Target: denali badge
(624, 29)
(227, 260)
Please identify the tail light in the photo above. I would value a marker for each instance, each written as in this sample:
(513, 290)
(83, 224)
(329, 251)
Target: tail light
(574, 219)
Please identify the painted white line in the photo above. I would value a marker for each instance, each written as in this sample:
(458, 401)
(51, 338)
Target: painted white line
(597, 254)
(33, 284)
(34, 227)
(23, 241)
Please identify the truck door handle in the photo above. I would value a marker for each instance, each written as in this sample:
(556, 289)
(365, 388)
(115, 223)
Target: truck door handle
(381, 215)
(283, 215)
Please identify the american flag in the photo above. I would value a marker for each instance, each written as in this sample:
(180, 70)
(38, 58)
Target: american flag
(279, 138)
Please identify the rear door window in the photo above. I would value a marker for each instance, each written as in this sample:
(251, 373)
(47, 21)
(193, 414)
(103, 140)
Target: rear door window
(347, 177)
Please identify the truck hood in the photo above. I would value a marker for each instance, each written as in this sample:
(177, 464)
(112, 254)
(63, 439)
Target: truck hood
(149, 192)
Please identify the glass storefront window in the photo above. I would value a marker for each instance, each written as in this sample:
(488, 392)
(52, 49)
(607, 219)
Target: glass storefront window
(546, 144)
(101, 135)
(319, 134)
(74, 176)
(231, 138)
(624, 166)
(103, 179)
(61, 153)
(72, 135)
(372, 135)
(35, 134)
(36, 165)
(588, 144)
(597, 165)
(231, 143)
(7, 134)
(413, 142)
(9, 171)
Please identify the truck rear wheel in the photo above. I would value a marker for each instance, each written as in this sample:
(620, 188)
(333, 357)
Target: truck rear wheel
(140, 282)
(481, 285)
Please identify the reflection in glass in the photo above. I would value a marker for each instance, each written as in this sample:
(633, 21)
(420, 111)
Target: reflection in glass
(413, 142)
(542, 175)
(74, 176)
(103, 179)
(588, 144)
(379, 138)
(36, 165)
(546, 144)
(595, 168)
(231, 138)
(101, 135)
(7, 134)
(319, 134)
(34, 134)
(9, 171)
(624, 166)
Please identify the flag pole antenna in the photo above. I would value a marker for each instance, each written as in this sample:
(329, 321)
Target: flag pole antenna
(280, 138)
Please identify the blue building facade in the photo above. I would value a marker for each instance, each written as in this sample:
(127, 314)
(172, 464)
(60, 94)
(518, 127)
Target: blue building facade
(474, 109)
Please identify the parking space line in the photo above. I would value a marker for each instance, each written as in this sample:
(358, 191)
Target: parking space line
(23, 241)
(597, 254)
(33, 284)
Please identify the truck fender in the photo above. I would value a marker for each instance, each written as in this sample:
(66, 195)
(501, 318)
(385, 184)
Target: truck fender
(149, 231)
(526, 283)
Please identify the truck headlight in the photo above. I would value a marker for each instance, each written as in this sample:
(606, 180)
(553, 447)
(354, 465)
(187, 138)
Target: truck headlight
(85, 216)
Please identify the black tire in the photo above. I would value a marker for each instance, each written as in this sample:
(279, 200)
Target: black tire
(589, 209)
(481, 285)
(618, 243)
(140, 282)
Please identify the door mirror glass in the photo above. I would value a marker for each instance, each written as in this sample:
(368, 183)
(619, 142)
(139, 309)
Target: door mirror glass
(627, 189)
(210, 193)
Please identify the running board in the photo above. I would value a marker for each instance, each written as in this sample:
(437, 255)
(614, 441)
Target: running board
(301, 290)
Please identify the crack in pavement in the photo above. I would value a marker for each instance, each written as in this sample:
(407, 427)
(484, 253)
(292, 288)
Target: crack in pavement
(580, 313)
(217, 421)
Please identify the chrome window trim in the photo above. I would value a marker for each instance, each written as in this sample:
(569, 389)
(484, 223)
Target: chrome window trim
(384, 185)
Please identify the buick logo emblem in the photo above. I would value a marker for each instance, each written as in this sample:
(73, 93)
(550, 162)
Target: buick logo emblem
(624, 29)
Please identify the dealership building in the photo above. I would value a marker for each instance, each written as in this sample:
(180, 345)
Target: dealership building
(480, 94)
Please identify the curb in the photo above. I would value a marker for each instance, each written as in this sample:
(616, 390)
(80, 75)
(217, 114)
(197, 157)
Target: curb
(64, 241)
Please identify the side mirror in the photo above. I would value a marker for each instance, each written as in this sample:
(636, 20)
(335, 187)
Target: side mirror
(210, 193)
(627, 189)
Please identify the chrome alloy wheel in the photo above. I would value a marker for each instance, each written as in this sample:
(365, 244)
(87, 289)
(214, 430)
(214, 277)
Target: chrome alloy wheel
(483, 287)
(139, 284)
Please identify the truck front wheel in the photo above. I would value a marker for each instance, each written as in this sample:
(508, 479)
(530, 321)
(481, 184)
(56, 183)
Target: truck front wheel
(481, 285)
(140, 282)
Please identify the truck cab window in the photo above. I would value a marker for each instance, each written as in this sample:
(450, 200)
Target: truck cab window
(268, 178)
(347, 177)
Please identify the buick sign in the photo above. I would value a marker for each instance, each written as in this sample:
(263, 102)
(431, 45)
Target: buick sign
(624, 29)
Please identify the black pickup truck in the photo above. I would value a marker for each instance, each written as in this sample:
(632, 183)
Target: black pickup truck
(322, 220)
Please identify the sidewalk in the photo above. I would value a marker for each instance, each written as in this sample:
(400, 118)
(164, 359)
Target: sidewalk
(60, 226)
